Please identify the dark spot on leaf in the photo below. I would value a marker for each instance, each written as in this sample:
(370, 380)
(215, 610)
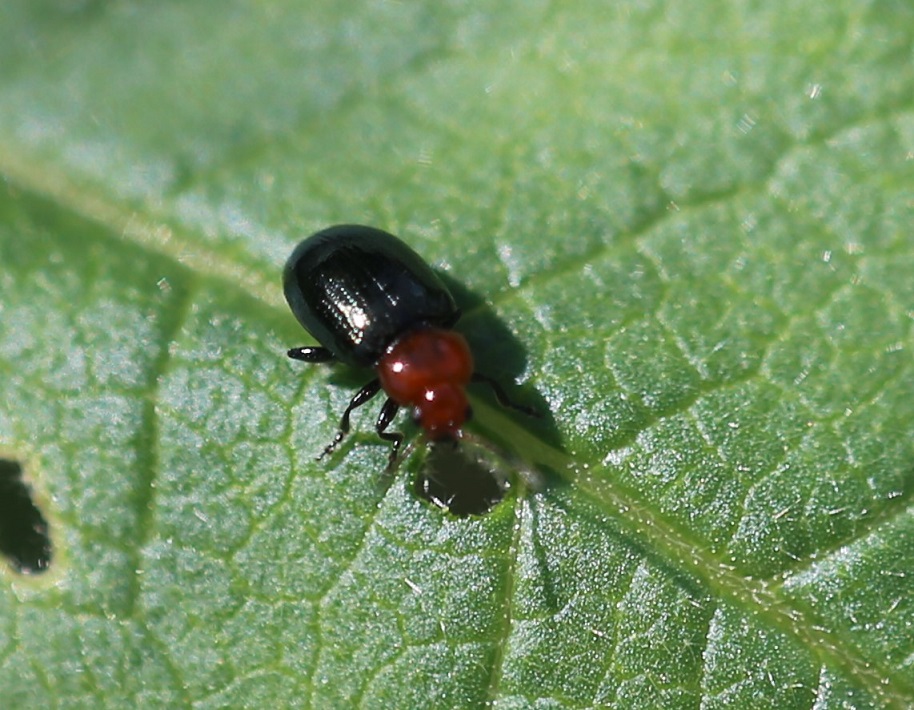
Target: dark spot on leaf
(23, 529)
(459, 482)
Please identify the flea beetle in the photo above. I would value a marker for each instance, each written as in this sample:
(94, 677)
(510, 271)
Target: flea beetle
(372, 302)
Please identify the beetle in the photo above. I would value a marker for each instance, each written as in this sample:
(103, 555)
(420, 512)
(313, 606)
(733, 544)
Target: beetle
(372, 302)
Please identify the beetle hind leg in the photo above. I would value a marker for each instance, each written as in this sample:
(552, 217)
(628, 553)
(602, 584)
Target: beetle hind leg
(311, 354)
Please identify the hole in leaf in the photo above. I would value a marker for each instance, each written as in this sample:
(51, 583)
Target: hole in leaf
(455, 480)
(23, 529)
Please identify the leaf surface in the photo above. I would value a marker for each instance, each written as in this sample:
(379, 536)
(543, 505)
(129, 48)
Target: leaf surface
(683, 231)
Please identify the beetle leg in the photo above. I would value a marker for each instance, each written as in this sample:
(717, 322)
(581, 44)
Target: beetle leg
(388, 412)
(311, 354)
(360, 398)
(502, 396)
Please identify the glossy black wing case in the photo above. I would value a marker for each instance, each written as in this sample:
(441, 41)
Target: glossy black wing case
(357, 289)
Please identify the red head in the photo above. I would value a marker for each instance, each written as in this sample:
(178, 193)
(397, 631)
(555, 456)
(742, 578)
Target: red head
(427, 369)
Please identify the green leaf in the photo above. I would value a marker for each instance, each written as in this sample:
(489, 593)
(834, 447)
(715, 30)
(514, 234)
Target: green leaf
(684, 230)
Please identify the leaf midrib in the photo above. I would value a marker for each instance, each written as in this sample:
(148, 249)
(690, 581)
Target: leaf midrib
(679, 551)
(32, 176)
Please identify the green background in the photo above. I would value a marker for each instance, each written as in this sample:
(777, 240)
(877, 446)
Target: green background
(687, 232)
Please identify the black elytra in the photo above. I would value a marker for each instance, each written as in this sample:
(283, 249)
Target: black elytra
(371, 301)
(355, 289)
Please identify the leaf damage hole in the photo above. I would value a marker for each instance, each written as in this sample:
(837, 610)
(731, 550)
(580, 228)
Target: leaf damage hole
(24, 538)
(455, 480)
